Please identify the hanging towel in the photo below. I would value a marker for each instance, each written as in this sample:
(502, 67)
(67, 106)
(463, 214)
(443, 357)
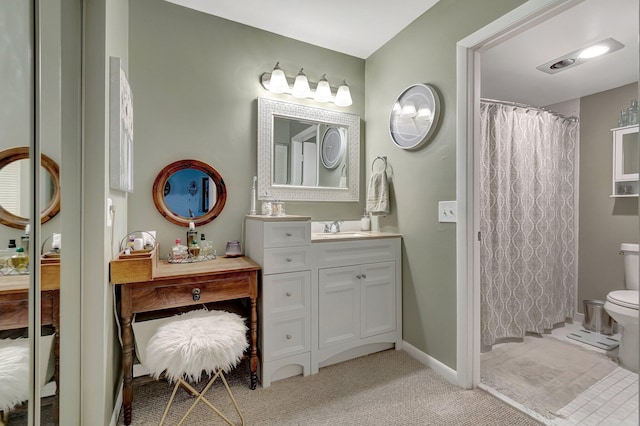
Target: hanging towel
(378, 194)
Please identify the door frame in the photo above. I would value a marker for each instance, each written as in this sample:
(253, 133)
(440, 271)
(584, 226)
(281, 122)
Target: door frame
(468, 51)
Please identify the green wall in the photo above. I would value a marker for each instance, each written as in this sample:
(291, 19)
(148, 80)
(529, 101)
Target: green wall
(195, 81)
(106, 34)
(605, 222)
(425, 52)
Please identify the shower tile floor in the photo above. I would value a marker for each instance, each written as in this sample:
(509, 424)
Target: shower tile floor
(611, 401)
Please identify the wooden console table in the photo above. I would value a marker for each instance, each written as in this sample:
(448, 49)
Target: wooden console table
(189, 284)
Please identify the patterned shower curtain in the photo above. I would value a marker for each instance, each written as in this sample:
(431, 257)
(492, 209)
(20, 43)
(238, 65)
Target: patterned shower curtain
(528, 221)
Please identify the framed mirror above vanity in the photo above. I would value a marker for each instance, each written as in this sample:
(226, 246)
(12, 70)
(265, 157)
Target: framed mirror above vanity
(307, 153)
(189, 191)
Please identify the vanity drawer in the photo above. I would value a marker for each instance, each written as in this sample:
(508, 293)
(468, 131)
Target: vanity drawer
(286, 337)
(279, 260)
(286, 293)
(346, 253)
(287, 234)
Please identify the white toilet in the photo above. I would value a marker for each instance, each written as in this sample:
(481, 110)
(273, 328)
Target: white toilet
(622, 306)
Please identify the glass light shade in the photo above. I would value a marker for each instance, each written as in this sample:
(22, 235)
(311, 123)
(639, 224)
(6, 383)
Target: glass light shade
(278, 82)
(301, 87)
(593, 51)
(408, 110)
(343, 96)
(323, 91)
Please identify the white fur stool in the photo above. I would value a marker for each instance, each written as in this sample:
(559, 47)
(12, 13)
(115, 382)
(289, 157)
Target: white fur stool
(197, 341)
(14, 375)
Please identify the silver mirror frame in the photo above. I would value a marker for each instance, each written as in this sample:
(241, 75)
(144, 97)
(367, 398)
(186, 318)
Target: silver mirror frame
(267, 110)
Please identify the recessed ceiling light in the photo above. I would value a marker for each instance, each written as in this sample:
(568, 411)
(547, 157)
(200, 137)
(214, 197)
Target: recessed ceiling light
(593, 51)
(581, 56)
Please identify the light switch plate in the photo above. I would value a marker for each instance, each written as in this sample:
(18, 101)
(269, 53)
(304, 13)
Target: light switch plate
(447, 211)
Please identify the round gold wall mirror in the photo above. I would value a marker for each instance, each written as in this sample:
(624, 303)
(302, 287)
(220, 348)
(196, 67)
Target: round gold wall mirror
(14, 172)
(189, 191)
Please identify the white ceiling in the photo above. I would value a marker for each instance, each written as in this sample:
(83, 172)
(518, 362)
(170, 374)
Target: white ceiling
(509, 69)
(355, 27)
(360, 27)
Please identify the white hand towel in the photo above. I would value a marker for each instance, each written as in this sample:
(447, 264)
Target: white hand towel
(378, 194)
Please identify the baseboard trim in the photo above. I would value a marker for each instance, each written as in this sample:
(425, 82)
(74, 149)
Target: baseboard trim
(117, 406)
(442, 370)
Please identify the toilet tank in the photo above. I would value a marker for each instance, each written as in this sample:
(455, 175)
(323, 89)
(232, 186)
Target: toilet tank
(630, 252)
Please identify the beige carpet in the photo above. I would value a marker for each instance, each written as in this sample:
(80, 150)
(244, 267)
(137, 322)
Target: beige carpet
(543, 374)
(387, 388)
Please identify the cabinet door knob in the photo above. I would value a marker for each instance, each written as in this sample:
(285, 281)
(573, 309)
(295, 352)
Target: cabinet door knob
(289, 337)
(358, 276)
(289, 259)
(289, 234)
(364, 275)
(288, 294)
(196, 294)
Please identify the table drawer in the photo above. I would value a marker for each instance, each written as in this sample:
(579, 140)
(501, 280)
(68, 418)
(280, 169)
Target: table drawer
(279, 260)
(286, 337)
(287, 234)
(147, 297)
(286, 293)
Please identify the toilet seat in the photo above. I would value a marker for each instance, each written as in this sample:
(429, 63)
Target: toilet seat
(625, 298)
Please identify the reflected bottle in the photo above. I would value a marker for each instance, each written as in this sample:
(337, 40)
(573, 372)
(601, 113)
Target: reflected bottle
(20, 261)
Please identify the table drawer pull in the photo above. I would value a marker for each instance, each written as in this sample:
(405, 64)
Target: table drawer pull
(196, 294)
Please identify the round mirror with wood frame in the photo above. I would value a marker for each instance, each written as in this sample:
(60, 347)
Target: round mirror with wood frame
(162, 187)
(10, 155)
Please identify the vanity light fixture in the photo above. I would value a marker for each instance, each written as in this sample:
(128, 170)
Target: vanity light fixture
(277, 82)
(580, 56)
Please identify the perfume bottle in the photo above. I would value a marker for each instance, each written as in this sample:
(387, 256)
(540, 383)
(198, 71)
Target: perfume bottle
(179, 251)
(192, 234)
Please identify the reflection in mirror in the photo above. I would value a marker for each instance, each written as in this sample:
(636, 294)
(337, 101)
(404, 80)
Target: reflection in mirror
(15, 188)
(189, 191)
(307, 154)
(630, 153)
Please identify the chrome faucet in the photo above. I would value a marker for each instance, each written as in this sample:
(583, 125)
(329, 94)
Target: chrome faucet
(332, 227)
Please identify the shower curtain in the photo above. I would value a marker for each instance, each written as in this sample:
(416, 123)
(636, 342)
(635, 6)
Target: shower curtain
(527, 220)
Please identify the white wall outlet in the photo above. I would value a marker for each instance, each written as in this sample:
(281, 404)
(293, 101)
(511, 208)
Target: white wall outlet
(447, 211)
(109, 213)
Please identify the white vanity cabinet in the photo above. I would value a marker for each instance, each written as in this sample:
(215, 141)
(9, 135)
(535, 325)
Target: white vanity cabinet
(359, 304)
(625, 161)
(282, 247)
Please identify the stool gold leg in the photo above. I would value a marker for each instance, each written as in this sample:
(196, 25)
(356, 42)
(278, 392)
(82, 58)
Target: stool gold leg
(173, 394)
(201, 398)
(4, 418)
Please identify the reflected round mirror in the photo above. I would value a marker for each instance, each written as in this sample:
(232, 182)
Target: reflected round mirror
(189, 191)
(15, 189)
